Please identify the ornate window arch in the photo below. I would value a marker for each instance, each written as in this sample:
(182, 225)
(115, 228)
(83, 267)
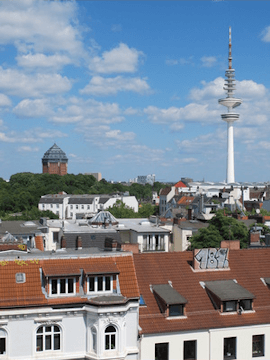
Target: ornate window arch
(48, 338)
(110, 337)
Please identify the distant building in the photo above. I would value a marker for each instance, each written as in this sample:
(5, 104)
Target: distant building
(54, 161)
(97, 176)
(146, 179)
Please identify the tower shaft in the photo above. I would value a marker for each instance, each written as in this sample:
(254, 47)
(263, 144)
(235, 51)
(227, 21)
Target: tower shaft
(230, 117)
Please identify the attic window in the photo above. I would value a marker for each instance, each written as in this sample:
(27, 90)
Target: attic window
(169, 300)
(141, 301)
(229, 296)
(20, 278)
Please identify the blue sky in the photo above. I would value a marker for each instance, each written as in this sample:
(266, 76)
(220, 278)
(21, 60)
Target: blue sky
(130, 88)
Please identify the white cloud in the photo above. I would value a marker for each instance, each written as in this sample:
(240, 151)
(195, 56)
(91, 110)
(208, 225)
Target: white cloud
(116, 27)
(5, 100)
(14, 82)
(208, 61)
(28, 149)
(55, 61)
(88, 112)
(121, 59)
(111, 86)
(212, 89)
(265, 34)
(105, 136)
(35, 135)
(181, 61)
(33, 108)
(172, 115)
(40, 26)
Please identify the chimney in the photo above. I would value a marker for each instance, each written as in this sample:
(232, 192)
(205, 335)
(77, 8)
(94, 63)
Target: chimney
(39, 242)
(79, 243)
(254, 237)
(189, 213)
(63, 242)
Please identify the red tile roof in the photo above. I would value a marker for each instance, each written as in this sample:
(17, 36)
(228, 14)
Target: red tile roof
(30, 293)
(180, 184)
(246, 266)
(185, 200)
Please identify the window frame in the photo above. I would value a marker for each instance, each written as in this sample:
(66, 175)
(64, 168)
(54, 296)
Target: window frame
(158, 349)
(232, 355)
(98, 286)
(111, 336)
(43, 336)
(260, 352)
(193, 344)
(172, 310)
(59, 284)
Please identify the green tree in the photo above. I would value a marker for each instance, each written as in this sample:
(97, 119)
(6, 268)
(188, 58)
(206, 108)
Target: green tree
(220, 228)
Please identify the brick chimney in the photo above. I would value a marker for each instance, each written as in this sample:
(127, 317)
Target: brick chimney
(254, 237)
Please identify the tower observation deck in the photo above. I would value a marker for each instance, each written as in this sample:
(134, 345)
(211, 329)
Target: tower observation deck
(230, 117)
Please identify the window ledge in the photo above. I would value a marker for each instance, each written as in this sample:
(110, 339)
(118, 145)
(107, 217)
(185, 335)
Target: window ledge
(176, 317)
(237, 312)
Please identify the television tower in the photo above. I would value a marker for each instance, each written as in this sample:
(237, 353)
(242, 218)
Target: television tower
(230, 117)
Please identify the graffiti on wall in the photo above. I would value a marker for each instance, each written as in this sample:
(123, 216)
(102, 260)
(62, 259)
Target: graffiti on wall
(212, 258)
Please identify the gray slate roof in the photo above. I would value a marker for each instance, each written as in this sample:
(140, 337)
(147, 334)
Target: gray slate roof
(18, 227)
(54, 154)
(169, 294)
(227, 290)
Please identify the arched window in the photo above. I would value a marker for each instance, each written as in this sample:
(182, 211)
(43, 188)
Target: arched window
(48, 338)
(3, 338)
(110, 338)
(94, 339)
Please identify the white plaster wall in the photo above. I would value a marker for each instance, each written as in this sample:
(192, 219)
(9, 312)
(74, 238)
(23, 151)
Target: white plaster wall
(210, 344)
(21, 326)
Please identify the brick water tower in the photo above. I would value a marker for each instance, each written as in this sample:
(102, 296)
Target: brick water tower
(54, 161)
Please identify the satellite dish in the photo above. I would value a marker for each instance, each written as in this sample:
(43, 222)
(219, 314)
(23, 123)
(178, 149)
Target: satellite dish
(257, 211)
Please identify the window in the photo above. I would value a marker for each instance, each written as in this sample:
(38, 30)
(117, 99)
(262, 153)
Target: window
(43, 205)
(162, 351)
(110, 338)
(94, 339)
(88, 207)
(82, 206)
(20, 278)
(55, 236)
(51, 205)
(245, 304)
(190, 350)
(71, 214)
(257, 345)
(229, 306)
(57, 206)
(230, 348)
(71, 207)
(77, 207)
(48, 338)
(100, 284)
(3, 336)
(176, 310)
(62, 286)
(142, 302)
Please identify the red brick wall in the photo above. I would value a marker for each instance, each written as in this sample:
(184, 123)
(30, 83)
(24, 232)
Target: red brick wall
(131, 247)
(55, 168)
(230, 244)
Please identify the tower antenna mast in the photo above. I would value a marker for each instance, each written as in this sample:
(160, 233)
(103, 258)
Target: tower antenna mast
(230, 117)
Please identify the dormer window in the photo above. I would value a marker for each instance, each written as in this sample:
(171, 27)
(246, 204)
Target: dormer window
(229, 296)
(100, 284)
(170, 302)
(62, 286)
